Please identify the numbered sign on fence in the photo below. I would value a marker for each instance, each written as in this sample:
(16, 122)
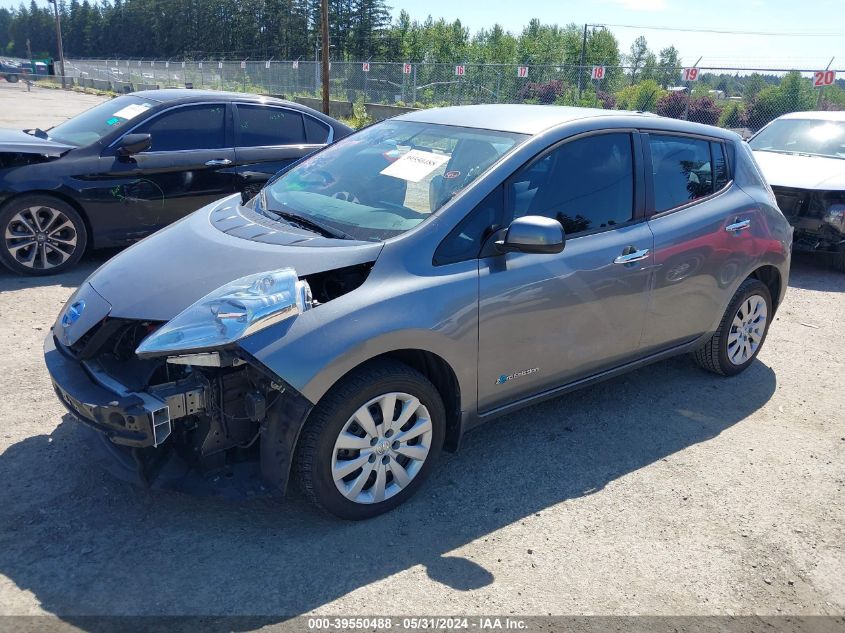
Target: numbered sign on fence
(406, 68)
(183, 64)
(295, 65)
(522, 71)
(167, 64)
(598, 73)
(690, 74)
(822, 78)
(267, 64)
(365, 67)
(243, 65)
(220, 65)
(199, 65)
(459, 71)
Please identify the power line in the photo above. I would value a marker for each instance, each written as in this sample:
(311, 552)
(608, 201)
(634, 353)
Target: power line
(728, 32)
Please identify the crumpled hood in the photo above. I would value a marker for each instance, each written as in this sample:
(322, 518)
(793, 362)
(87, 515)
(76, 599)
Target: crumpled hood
(802, 172)
(18, 141)
(165, 273)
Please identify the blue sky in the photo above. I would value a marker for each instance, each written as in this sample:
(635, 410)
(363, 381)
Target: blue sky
(823, 18)
(802, 16)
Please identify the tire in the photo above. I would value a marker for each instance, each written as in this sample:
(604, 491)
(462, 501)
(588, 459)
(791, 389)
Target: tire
(58, 235)
(732, 348)
(318, 453)
(12, 79)
(839, 262)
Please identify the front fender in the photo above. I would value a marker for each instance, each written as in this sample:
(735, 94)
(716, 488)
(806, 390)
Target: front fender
(436, 313)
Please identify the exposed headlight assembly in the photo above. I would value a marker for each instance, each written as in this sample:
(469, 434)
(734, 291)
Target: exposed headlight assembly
(238, 309)
(835, 216)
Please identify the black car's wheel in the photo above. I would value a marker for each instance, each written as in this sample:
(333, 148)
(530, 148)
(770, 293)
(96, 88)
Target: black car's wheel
(741, 333)
(42, 235)
(371, 441)
(12, 79)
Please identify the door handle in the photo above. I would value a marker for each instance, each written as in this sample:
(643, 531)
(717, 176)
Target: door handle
(633, 256)
(738, 225)
(218, 162)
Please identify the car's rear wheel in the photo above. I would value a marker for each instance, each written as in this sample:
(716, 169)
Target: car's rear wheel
(741, 332)
(371, 441)
(42, 235)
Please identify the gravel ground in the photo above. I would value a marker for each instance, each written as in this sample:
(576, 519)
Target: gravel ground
(667, 491)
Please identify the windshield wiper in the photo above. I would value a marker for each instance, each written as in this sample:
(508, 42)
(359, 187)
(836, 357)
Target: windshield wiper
(309, 224)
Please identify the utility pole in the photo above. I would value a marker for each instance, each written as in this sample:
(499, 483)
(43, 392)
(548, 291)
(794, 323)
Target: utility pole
(581, 63)
(324, 10)
(59, 38)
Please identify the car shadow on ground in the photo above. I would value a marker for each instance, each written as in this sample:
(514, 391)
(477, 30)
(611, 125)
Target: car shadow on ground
(85, 544)
(811, 272)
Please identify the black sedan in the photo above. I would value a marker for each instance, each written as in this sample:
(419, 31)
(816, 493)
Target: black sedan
(127, 167)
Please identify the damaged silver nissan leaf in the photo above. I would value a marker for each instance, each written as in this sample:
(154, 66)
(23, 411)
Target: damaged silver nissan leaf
(387, 294)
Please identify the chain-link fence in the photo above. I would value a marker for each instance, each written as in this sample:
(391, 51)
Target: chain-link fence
(744, 99)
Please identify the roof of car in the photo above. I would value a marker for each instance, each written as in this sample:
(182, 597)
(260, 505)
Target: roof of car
(518, 118)
(188, 94)
(816, 114)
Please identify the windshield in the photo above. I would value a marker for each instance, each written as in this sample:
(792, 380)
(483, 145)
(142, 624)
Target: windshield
(802, 136)
(92, 125)
(385, 179)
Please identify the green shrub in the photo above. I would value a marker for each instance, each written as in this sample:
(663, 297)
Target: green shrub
(733, 116)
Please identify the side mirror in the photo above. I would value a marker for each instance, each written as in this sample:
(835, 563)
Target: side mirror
(533, 234)
(134, 144)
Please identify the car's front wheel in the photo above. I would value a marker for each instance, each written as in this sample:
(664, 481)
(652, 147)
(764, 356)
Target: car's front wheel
(371, 441)
(42, 235)
(741, 333)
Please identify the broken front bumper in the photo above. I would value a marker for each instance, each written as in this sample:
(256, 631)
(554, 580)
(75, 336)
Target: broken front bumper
(136, 419)
(132, 430)
(125, 418)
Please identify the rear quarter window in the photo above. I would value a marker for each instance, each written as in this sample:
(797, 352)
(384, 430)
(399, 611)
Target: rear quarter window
(316, 132)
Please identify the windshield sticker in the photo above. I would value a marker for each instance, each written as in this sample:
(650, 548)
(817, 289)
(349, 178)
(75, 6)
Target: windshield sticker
(131, 111)
(415, 165)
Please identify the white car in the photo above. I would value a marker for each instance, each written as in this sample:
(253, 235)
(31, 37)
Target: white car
(802, 155)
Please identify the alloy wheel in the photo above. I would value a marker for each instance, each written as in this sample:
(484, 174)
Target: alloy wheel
(747, 329)
(381, 448)
(40, 237)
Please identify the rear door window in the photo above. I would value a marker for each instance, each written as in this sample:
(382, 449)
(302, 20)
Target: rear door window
(682, 170)
(267, 126)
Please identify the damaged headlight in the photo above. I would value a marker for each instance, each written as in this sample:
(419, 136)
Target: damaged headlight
(238, 309)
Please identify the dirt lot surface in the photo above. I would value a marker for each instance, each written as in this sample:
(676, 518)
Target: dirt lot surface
(40, 107)
(667, 491)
